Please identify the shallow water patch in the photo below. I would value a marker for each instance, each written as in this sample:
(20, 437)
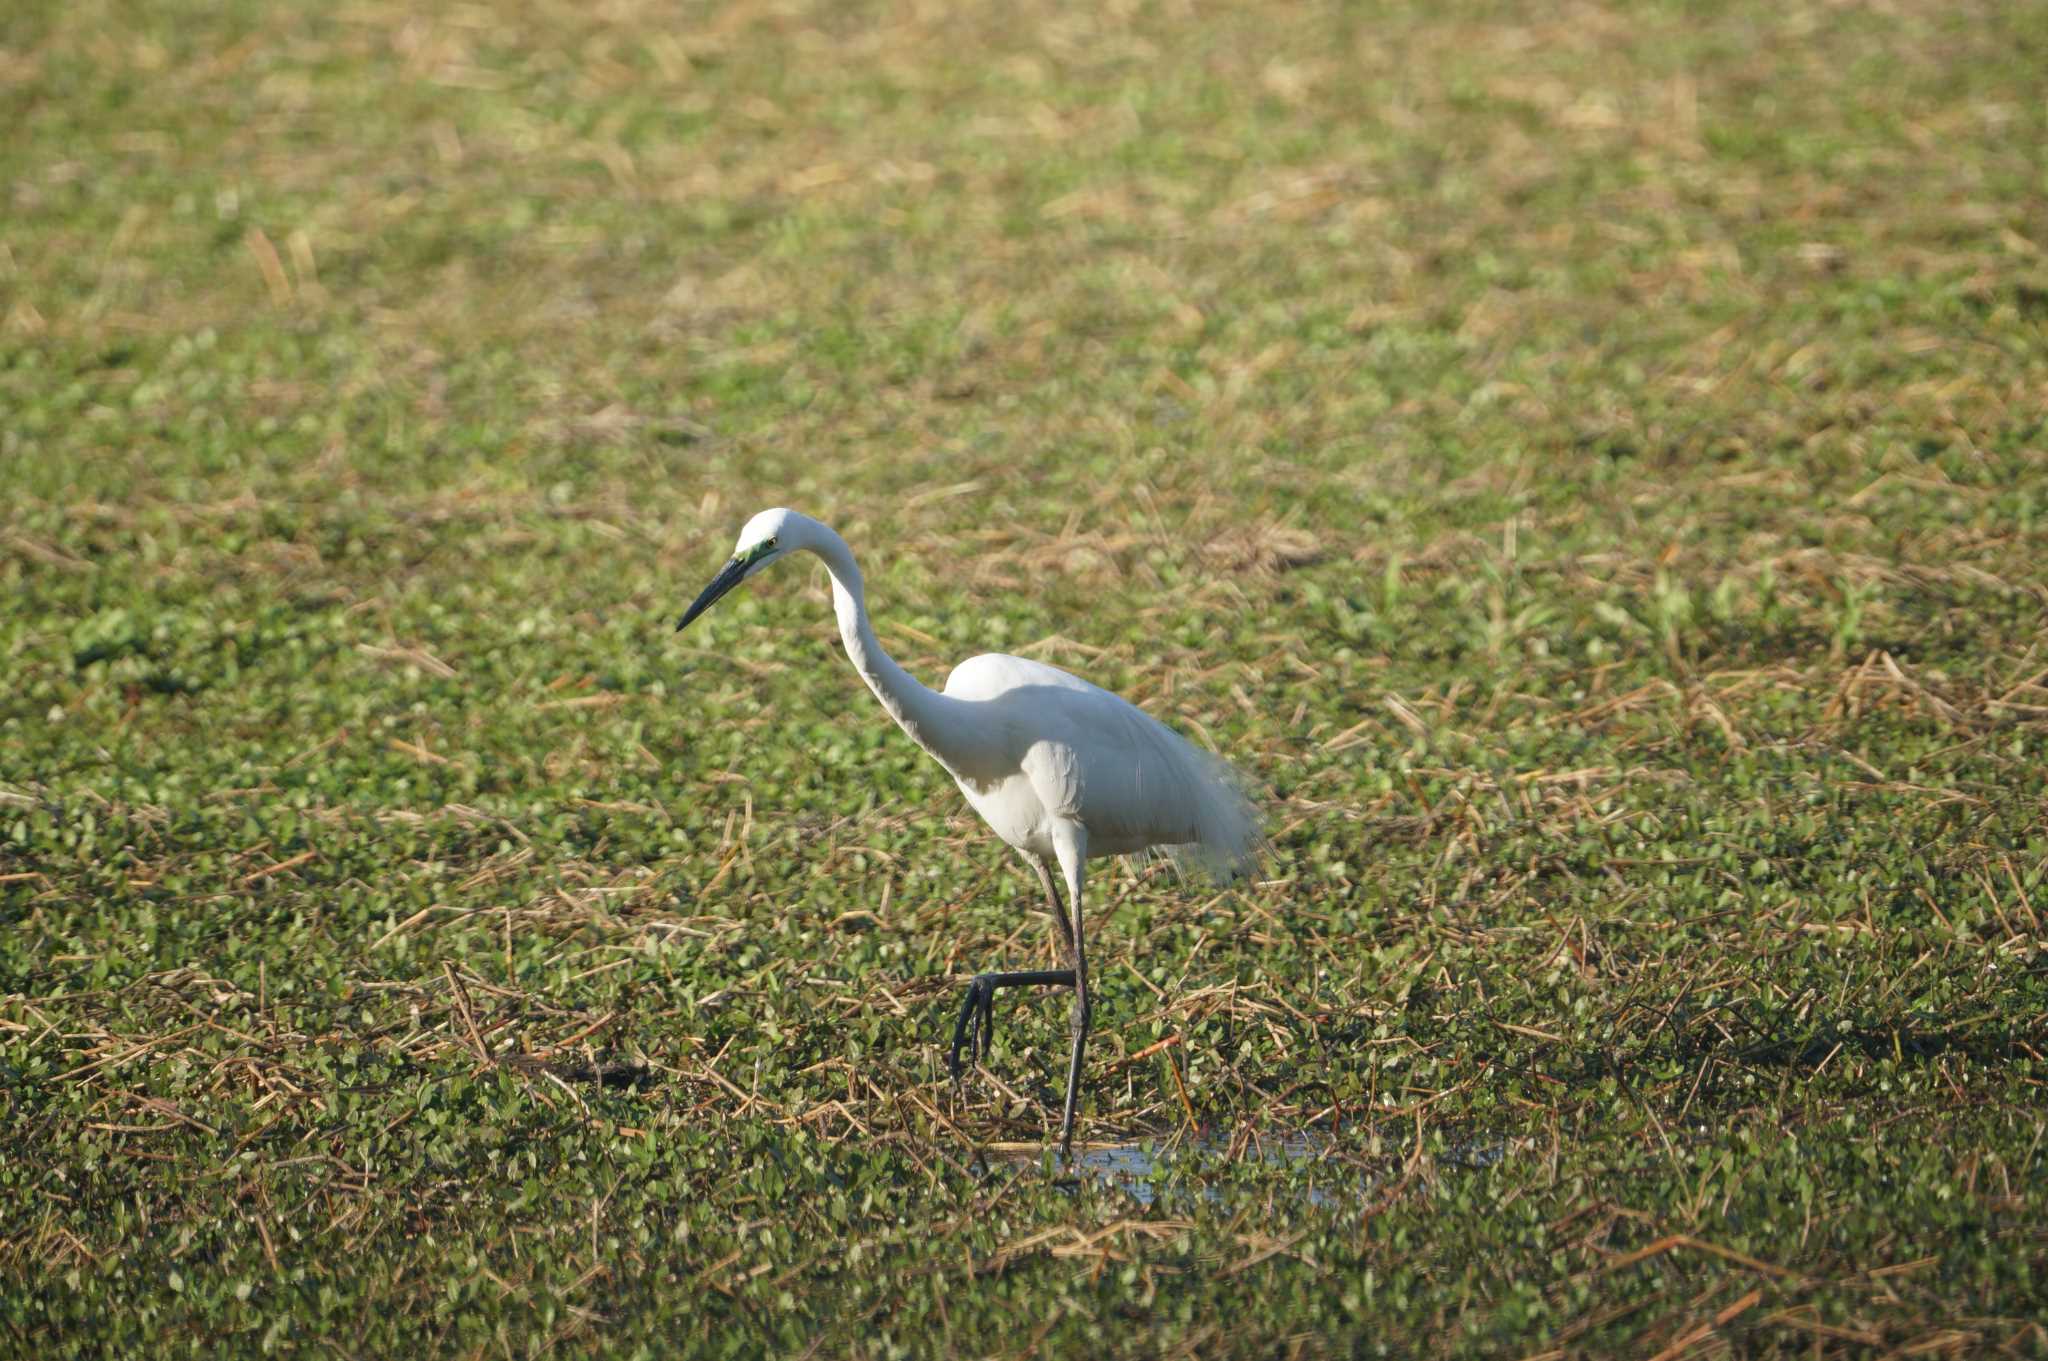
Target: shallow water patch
(1212, 1167)
(1303, 1167)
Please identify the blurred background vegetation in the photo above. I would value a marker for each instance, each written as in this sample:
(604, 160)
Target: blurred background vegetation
(1585, 462)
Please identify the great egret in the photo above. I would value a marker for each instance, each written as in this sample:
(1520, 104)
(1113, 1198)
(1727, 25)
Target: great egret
(1061, 770)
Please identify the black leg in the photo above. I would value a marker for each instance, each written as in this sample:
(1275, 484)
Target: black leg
(1073, 857)
(1083, 1009)
(979, 1007)
(1055, 909)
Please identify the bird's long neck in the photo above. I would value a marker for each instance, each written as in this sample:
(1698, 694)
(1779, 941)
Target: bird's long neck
(931, 719)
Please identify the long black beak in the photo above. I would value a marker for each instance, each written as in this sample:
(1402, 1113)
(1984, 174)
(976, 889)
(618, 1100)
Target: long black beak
(731, 575)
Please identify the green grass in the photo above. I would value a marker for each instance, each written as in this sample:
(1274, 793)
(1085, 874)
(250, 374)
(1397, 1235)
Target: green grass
(1588, 466)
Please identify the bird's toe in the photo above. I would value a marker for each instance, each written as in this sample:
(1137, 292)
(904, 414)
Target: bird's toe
(988, 1022)
(970, 1031)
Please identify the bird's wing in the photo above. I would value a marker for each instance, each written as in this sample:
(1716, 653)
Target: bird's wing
(1093, 756)
(995, 673)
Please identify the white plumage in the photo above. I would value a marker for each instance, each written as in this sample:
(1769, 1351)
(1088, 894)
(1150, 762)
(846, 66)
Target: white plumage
(1068, 750)
(1060, 769)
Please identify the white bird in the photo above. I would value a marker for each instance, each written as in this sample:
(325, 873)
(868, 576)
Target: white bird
(1061, 770)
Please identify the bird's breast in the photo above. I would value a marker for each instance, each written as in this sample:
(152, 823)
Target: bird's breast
(1012, 810)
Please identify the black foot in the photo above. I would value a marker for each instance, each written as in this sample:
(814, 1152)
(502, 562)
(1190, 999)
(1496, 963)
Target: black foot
(977, 1006)
(976, 1027)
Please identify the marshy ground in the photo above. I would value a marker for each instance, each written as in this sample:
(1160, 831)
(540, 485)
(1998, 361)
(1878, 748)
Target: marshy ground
(1587, 463)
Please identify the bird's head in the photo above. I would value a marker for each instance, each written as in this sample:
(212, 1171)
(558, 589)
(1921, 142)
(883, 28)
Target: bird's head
(769, 536)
